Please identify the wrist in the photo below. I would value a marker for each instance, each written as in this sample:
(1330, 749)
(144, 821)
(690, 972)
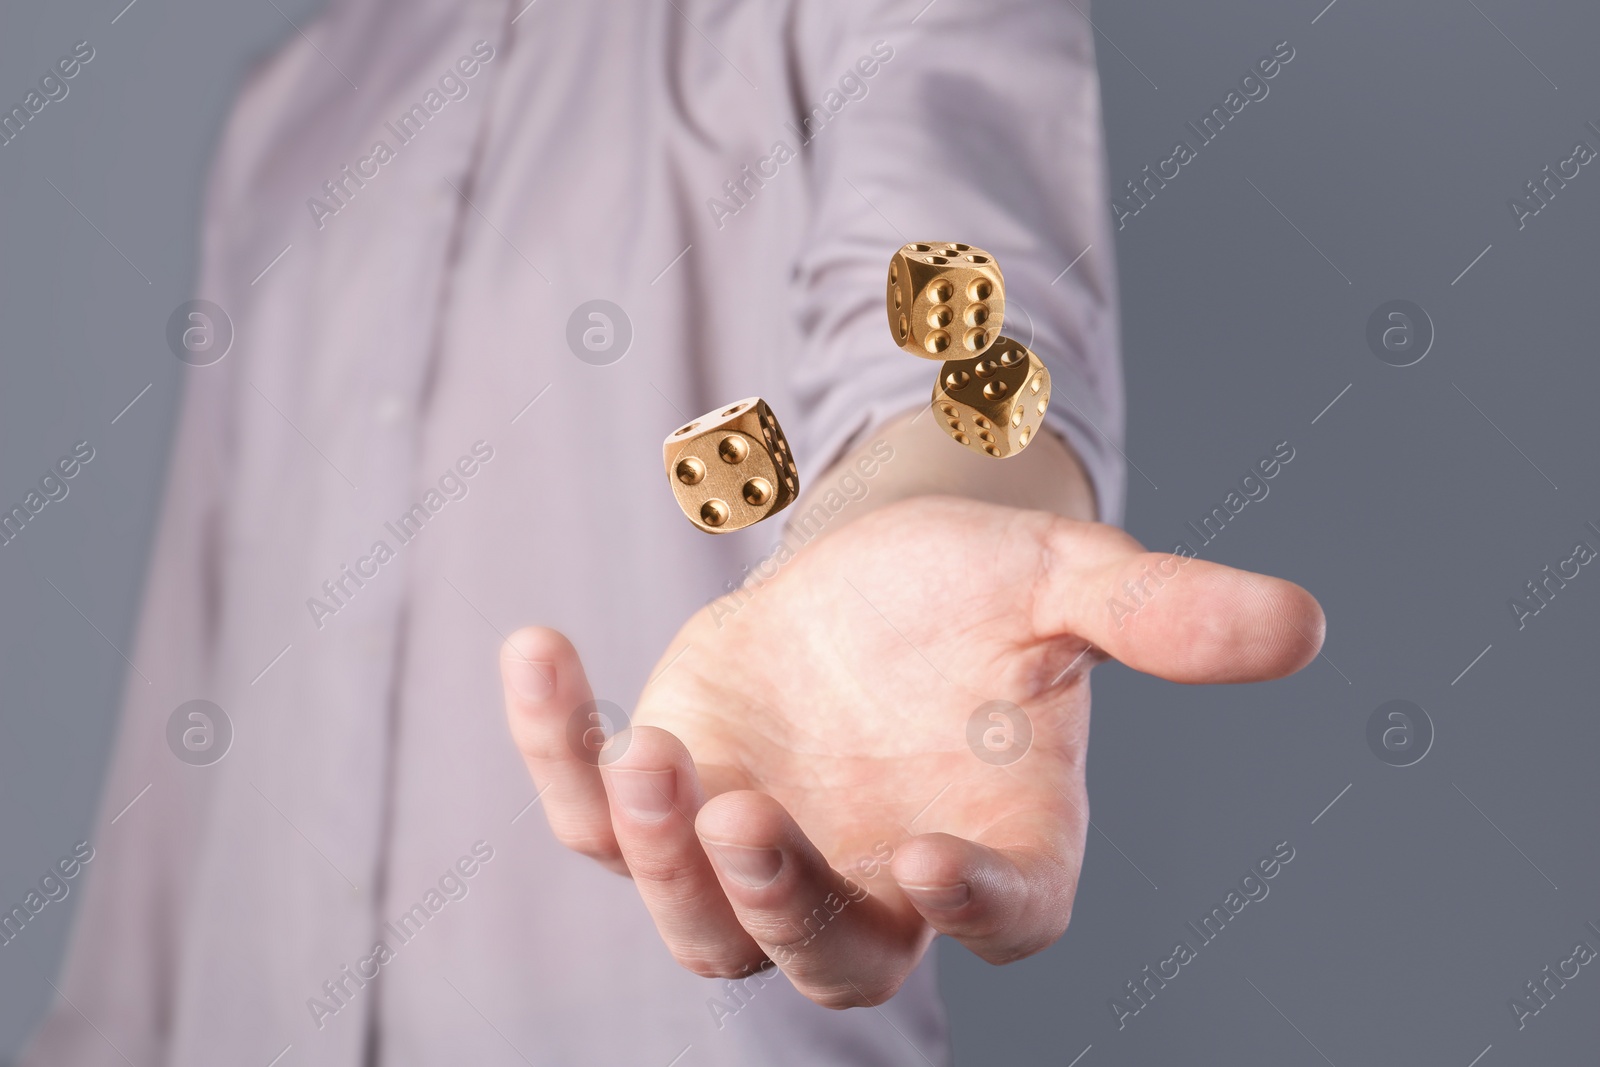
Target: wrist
(908, 457)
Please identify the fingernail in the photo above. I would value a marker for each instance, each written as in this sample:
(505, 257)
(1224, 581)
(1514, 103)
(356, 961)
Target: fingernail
(644, 795)
(939, 897)
(532, 679)
(752, 867)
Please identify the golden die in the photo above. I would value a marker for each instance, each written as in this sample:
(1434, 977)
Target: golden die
(731, 467)
(993, 403)
(945, 300)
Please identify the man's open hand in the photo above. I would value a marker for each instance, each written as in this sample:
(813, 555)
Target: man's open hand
(804, 781)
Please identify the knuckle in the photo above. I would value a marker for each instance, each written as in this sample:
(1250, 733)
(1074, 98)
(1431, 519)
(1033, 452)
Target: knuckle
(783, 935)
(535, 738)
(664, 867)
(792, 933)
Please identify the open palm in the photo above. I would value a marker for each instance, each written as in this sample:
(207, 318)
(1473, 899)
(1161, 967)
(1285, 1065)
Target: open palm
(887, 739)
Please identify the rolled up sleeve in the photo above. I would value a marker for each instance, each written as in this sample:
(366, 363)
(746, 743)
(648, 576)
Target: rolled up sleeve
(982, 125)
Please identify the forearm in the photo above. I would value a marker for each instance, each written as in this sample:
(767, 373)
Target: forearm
(909, 456)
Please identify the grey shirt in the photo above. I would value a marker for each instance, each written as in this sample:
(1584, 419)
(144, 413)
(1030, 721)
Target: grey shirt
(400, 459)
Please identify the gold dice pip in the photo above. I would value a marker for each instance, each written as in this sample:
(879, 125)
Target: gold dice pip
(993, 403)
(731, 467)
(945, 300)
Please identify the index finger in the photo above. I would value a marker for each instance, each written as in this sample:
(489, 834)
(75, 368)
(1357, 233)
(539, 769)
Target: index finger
(545, 685)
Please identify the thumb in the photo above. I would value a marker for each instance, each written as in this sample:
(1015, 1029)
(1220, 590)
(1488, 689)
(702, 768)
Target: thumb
(1176, 617)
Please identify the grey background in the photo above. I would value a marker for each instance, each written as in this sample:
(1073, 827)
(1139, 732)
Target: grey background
(1392, 141)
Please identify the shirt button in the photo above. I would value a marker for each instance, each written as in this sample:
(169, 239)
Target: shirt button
(388, 409)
